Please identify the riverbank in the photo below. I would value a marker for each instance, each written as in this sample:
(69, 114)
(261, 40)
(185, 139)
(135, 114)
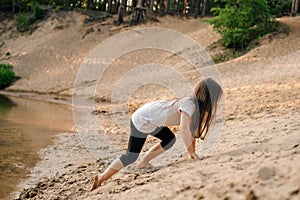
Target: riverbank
(258, 153)
(27, 126)
(54, 98)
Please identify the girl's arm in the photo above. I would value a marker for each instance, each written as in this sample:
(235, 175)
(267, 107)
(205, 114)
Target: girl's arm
(187, 136)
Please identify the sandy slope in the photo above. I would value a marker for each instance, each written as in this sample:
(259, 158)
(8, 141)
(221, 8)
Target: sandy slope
(48, 59)
(258, 154)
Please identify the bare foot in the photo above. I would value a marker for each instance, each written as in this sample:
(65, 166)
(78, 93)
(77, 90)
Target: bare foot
(97, 182)
(142, 164)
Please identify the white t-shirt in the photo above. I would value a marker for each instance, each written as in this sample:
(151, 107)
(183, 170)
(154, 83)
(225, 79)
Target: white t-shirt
(161, 113)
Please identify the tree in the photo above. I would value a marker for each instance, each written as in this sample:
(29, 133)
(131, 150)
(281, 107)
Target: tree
(295, 7)
(90, 4)
(121, 11)
(16, 5)
(239, 22)
(203, 7)
(139, 13)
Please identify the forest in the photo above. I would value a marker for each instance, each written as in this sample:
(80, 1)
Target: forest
(238, 22)
(182, 7)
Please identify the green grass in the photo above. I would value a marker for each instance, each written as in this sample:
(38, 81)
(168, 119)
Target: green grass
(23, 22)
(6, 75)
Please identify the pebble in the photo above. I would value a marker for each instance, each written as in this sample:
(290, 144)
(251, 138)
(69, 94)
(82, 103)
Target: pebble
(251, 196)
(224, 159)
(266, 173)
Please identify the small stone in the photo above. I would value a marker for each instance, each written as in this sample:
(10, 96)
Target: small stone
(251, 196)
(295, 192)
(53, 197)
(266, 173)
(32, 193)
(224, 159)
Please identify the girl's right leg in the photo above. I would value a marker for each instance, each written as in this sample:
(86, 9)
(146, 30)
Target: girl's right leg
(114, 167)
(135, 145)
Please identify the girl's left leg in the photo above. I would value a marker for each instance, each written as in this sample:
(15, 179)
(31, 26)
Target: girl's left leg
(152, 153)
(167, 138)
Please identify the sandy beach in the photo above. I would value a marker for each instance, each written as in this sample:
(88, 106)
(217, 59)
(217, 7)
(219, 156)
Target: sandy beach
(258, 151)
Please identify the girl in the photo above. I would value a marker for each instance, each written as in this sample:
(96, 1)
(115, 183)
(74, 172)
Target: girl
(193, 114)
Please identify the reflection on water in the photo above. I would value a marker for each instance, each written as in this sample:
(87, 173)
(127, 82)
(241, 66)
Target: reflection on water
(5, 104)
(26, 126)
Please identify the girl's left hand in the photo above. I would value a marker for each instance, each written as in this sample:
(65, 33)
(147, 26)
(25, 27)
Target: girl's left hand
(194, 156)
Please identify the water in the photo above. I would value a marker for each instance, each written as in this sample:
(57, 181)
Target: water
(26, 126)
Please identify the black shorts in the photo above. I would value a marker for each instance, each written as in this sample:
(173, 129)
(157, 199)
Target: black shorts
(137, 140)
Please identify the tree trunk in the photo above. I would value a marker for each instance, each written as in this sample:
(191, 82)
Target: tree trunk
(296, 6)
(162, 5)
(120, 15)
(16, 6)
(151, 5)
(140, 3)
(180, 6)
(125, 6)
(90, 4)
(139, 13)
(167, 6)
(198, 4)
(104, 7)
(133, 4)
(117, 4)
(121, 11)
(109, 6)
(192, 7)
(293, 7)
(203, 7)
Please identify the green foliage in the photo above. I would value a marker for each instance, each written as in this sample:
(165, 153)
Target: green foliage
(38, 12)
(241, 21)
(31, 3)
(279, 8)
(5, 3)
(228, 55)
(23, 22)
(6, 75)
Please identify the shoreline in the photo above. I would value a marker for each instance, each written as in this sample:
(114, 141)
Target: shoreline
(64, 155)
(49, 98)
(37, 131)
(253, 160)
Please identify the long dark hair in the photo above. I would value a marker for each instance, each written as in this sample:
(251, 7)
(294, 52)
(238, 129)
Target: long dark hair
(207, 95)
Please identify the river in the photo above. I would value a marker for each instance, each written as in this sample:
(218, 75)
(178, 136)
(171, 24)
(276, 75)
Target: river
(26, 126)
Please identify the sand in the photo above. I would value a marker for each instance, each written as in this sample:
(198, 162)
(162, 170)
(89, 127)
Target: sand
(258, 151)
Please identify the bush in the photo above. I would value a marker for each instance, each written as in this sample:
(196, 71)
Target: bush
(38, 12)
(241, 21)
(23, 22)
(279, 8)
(6, 75)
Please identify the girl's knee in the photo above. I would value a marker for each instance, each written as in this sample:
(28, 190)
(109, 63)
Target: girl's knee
(129, 158)
(167, 144)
